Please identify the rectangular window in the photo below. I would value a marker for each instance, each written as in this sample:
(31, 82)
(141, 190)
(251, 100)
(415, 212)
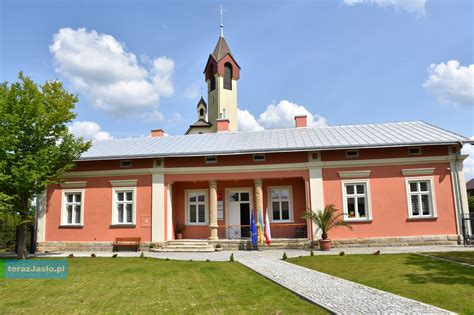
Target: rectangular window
(259, 157)
(414, 151)
(356, 200)
(281, 204)
(211, 159)
(197, 207)
(420, 198)
(126, 163)
(352, 153)
(72, 214)
(124, 206)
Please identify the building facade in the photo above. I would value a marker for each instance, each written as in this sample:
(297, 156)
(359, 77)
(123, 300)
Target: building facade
(399, 183)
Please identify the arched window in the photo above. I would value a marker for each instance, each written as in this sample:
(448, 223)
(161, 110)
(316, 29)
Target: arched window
(212, 78)
(201, 112)
(228, 76)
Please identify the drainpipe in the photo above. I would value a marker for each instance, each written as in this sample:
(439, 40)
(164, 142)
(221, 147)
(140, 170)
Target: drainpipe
(458, 189)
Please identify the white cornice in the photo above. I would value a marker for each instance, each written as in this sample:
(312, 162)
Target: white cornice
(123, 183)
(354, 174)
(417, 171)
(73, 184)
(263, 167)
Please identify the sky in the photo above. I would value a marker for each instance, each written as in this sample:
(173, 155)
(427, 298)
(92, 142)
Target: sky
(138, 65)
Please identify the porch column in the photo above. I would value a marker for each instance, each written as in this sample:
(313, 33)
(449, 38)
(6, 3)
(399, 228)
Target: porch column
(169, 223)
(316, 195)
(158, 208)
(213, 210)
(258, 198)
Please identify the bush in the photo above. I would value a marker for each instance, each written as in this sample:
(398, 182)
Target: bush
(231, 259)
(93, 255)
(142, 255)
(114, 256)
(71, 255)
(342, 254)
(284, 256)
(311, 253)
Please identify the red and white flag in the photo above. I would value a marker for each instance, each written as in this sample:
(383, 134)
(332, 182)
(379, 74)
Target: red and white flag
(268, 234)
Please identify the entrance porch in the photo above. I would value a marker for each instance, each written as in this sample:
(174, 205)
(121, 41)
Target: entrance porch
(220, 210)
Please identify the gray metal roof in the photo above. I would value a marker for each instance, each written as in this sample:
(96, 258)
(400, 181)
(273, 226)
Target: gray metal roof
(276, 140)
(221, 49)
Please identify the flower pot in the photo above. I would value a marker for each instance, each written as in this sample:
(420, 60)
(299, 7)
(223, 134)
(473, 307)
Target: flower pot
(325, 244)
(179, 236)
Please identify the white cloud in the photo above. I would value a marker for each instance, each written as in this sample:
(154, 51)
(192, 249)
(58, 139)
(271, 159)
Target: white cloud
(154, 116)
(281, 115)
(451, 83)
(412, 6)
(103, 69)
(246, 121)
(193, 90)
(469, 162)
(89, 130)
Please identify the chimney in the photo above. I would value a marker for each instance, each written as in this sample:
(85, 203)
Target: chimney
(157, 133)
(222, 124)
(301, 121)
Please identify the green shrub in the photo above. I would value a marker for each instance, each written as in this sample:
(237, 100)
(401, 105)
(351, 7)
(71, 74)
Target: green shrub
(231, 259)
(284, 256)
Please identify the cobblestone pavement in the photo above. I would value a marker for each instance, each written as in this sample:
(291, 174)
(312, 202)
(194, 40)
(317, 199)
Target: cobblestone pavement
(335, 294)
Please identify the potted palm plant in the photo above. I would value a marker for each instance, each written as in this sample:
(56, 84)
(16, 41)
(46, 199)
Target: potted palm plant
(179, 229)
(326, 220)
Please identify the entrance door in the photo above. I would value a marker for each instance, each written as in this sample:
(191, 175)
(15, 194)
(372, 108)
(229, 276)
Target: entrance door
(238, 212)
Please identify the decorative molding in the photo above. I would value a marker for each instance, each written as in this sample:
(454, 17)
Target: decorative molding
(124, 183)
(73, 184)
(263, 167)
(417, 171)
(354, 174)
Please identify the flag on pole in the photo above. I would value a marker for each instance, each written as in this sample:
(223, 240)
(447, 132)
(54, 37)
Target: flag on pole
(253, 231)
(260, 228)
(268, 234)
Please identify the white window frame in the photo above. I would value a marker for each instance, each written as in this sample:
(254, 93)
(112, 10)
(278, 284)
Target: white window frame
(270, 204)
(116, 190)
(431, 192)
(123, 162)
(368, 198)
(206, 204)
(63, 206)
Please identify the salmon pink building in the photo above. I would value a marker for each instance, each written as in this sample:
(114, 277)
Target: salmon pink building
(396, 183)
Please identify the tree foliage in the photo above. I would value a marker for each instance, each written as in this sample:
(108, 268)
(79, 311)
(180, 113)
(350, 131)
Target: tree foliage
(36, 147)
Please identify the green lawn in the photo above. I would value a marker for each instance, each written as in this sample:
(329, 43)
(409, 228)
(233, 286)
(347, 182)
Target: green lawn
(145, 285)
(464, 257)
(433, 281)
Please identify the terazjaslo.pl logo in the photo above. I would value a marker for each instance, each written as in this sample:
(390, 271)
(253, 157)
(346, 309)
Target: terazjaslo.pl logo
(33, 269)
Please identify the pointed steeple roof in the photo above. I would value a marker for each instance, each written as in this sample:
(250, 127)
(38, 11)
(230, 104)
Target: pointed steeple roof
(221, 49)
(203, 102)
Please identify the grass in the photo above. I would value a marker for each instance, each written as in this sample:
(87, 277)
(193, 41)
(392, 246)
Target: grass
(135, 285)
(429, 280)
(464, 257)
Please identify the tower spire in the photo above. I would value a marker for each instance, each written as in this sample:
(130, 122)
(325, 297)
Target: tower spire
(222, 20)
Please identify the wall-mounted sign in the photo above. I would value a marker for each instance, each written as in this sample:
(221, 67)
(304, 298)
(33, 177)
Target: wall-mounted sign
(220, 209)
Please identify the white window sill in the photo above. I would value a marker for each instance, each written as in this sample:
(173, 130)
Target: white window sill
(198, 224)
(124, 225)
(71, 226)
(368, 220)
(280, 221)
(430, 217)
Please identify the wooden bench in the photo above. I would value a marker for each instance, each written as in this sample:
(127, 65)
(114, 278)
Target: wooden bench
(133, 242)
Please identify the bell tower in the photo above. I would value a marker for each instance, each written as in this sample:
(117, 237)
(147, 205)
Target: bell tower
(222, 73)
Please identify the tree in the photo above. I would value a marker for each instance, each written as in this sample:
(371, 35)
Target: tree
(36, 147)
(326, 219)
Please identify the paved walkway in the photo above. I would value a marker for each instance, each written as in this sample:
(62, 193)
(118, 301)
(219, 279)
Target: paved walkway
(335, 294)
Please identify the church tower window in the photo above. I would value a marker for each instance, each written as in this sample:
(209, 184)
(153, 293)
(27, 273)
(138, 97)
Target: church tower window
(212, 78)
(228, 76)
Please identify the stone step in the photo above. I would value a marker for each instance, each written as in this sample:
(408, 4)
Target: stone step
(184, 243)
(186, 249)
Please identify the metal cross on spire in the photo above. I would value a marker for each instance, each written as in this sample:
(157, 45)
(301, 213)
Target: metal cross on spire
(222, 20)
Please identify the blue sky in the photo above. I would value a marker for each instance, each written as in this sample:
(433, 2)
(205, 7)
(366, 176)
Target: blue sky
(345, 62)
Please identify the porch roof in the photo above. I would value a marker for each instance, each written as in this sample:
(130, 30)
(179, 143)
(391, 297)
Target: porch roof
(276, 140)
